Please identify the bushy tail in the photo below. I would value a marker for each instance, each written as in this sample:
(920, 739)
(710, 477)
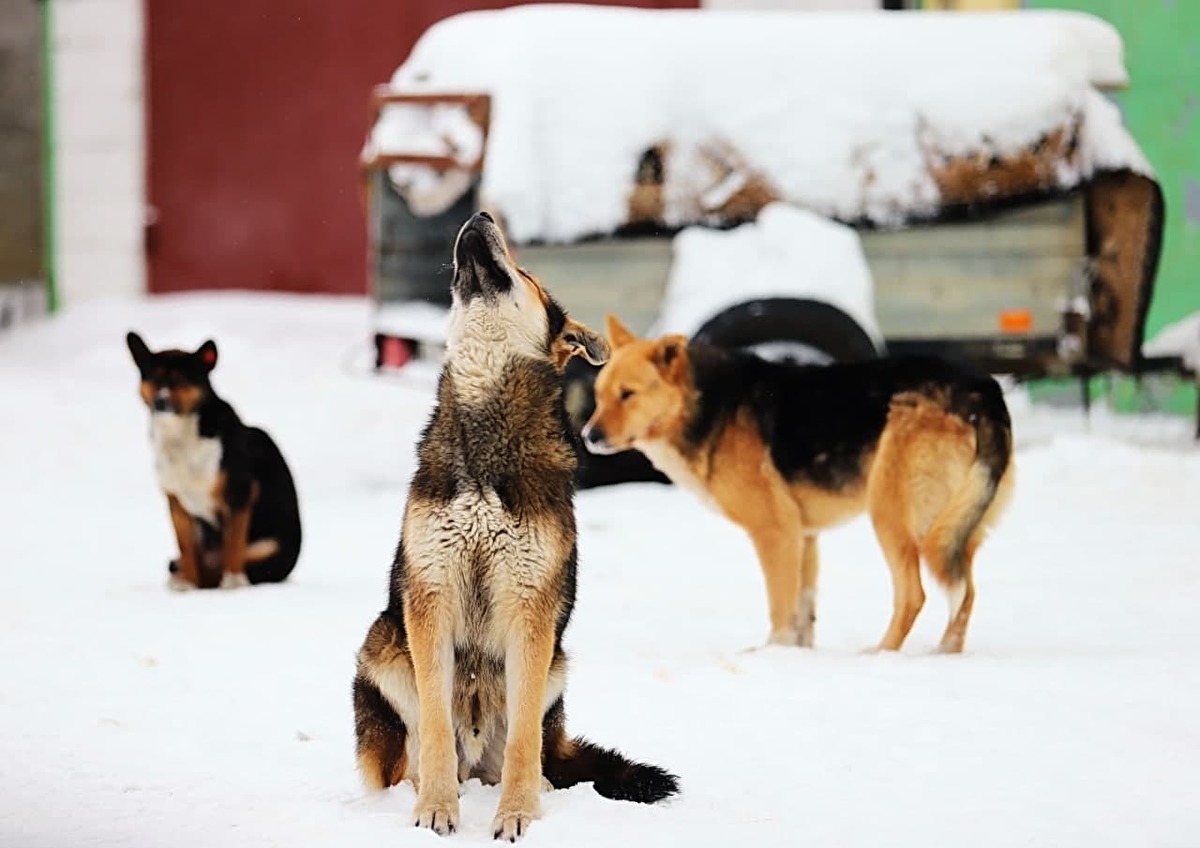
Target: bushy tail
(567, 761)
(952, 530)
(614, 776)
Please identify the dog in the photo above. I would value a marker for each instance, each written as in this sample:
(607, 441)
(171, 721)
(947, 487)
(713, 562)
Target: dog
(785, 451)
(462, 675)
(231, 496)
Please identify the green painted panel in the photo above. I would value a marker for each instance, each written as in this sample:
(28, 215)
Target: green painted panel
(1162, 109)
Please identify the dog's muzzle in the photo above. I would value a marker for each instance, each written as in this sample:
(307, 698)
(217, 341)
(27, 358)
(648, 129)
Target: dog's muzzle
(480, 258)
(596, 441)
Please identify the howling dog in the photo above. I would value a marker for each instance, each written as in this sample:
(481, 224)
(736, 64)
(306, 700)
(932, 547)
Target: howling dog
(786, 451)
(462, 675)
(232, 499)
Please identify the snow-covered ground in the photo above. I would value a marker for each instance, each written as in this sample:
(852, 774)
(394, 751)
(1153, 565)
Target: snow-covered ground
(135, 716)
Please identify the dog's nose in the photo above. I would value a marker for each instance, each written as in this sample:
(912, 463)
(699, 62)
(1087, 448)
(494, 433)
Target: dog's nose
(593, 435)
(161, 403)
(487, 217)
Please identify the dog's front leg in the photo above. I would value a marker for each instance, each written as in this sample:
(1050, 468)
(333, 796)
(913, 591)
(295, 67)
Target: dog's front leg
(427, 621)
(188, 576)
(806, 604)
(780, 549)
(240, 495)
(526, 669)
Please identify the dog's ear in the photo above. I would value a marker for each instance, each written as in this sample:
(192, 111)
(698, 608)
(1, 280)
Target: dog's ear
(670, 355)
(618, 334)
(582, 340)
(138, 350)
(207, 354)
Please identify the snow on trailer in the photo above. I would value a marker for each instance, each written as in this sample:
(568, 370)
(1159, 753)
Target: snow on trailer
(861, 117)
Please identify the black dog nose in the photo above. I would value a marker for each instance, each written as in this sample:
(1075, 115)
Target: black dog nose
(160, 404)
(487, 217)
(594, 435)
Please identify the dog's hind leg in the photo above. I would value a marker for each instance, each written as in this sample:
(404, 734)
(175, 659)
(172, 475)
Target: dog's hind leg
(960, 592)
(385, 706)
(886, 490)
(382, 736)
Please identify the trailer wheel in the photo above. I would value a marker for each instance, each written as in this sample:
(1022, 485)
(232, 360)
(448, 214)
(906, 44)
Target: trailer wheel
(807, 331)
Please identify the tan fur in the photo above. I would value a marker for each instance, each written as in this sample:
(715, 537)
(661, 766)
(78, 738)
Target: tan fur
(916, 484)
(261, 549)
(185, 536)
(235, 529)
(483, 565)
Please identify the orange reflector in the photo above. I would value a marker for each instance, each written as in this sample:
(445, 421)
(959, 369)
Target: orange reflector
(1016, 321)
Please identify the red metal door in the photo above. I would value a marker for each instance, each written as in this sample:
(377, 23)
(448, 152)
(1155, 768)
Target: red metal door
(256, 112)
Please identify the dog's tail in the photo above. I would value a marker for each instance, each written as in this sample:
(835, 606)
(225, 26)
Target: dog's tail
(969, 507)
(567, 761)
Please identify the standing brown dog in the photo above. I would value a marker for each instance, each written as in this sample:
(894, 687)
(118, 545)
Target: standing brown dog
(463, 674)
(786, 451)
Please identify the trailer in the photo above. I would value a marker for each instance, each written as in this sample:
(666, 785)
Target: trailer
(1034, 256)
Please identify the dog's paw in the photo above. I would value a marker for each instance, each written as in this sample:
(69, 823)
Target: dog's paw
(229, 580)
(177, 584)
(786, 636)
(511, 826)
(440, 817)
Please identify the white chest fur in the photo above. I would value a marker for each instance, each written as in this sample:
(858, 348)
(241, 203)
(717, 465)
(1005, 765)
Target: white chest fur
(671, 463)
(187, 464)
(472, 541)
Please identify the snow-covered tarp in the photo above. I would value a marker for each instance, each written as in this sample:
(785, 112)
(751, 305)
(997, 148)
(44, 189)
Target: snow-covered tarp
(787, 252)
(868, 117)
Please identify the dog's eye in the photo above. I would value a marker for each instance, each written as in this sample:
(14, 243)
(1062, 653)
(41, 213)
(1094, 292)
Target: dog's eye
(626, 394)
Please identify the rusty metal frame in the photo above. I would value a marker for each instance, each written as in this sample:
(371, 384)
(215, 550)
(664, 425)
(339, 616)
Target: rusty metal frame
(479, 110)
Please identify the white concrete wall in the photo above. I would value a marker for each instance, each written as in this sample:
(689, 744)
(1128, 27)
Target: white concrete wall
(99, 148)
(794, 5)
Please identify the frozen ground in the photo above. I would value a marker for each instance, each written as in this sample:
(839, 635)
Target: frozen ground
(134, 716)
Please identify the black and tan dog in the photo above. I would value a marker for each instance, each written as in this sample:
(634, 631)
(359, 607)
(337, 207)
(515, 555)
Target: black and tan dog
(786, 451)
(232, 499)
(463, 674)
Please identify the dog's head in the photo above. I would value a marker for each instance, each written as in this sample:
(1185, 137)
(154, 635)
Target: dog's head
(173, 381)
(642, 394)
(501, 311)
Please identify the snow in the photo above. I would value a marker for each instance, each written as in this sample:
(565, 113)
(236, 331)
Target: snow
(842, 112)
(786, 252)
(134, 716)
(1181, 338)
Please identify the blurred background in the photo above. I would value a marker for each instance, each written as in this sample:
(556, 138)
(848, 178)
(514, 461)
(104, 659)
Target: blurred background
(154, 146)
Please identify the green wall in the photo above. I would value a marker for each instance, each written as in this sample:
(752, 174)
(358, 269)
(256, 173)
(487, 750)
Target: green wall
(1162, 110)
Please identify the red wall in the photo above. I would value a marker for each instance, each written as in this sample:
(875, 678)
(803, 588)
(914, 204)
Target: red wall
(256, 114)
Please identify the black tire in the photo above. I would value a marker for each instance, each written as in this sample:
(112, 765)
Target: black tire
(812, 324)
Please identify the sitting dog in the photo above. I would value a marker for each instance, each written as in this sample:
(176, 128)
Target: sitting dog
(786, 451)
(463, 674)
(232, 499)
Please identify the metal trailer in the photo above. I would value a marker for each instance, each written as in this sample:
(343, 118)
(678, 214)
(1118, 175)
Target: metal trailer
(1052, 285)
